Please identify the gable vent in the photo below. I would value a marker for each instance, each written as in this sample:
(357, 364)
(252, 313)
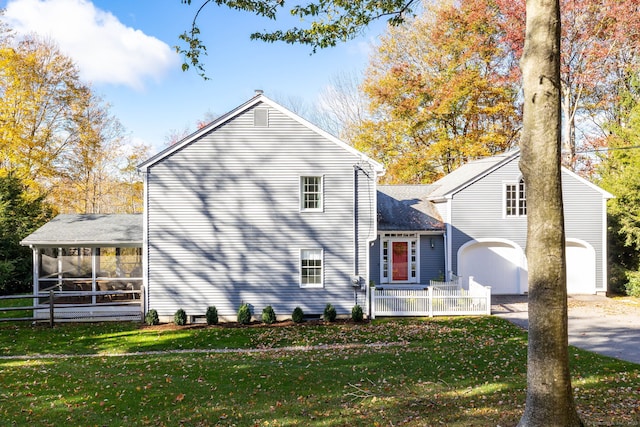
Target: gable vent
(261, 117)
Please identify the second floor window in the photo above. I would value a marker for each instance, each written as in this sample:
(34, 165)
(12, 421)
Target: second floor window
(311, 193)
(516, 199)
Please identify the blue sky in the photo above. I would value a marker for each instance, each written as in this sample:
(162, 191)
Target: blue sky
(124, 49)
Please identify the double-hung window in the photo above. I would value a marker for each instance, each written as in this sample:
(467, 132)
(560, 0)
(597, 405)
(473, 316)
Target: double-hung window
(515, 199)
(311, 268)
(311, 189)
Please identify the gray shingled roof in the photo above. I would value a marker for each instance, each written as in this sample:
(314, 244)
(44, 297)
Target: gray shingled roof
(467, 172)
(406, 208)
(89, 230)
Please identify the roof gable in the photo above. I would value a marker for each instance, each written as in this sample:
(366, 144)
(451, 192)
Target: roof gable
(256, 100)
(475, 170)
(605, 193)
(467, 174)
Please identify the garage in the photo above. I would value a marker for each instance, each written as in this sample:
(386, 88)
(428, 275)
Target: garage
(502, 265)
(493, 263)
(581, 268)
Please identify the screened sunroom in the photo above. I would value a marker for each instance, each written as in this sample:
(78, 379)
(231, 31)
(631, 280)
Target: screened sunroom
(93, 264)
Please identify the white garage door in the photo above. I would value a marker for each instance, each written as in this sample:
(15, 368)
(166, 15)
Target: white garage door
(494, 264)
(581, 268)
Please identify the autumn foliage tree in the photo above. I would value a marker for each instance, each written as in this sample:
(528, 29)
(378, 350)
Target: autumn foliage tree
(599, 52)
(41, 93)
(56, 136)
(442, 91)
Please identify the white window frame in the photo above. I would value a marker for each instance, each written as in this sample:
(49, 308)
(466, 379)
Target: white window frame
(519, 200)
(301, 259)
(386, 261)
(303, 193)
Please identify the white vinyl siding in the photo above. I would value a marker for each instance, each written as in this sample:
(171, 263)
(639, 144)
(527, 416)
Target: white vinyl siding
(225, 227)
(478, 212)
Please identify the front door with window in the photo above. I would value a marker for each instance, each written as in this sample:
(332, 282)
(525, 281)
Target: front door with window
(399, 261)
(399, 258)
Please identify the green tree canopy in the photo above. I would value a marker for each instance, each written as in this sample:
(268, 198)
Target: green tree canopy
(329, 22)
(619, 173)
(20, 214)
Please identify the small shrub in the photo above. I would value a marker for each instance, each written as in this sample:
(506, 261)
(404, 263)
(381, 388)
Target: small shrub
(633, 283)
(244, 314)
(618, 279)
(212, 315)
(151, 318)
(180, 318)
(329, 314)
(298, 315)
(268, 315)
(356, 313)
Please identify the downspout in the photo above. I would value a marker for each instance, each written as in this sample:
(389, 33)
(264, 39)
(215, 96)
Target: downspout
(448, 244)
(373, 236)
(605, 249)
(355, 226)
(355, 278)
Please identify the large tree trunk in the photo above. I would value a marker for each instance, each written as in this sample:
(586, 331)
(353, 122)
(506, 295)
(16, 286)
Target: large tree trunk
(549, 396)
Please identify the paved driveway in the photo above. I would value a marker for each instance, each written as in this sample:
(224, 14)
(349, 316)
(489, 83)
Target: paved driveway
(596, 323)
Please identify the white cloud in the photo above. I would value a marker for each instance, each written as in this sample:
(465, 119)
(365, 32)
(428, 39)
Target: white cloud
(105, 50)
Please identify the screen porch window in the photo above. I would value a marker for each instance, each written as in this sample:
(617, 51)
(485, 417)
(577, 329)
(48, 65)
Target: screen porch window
(516, 199)
(311, 268)
(311, 193)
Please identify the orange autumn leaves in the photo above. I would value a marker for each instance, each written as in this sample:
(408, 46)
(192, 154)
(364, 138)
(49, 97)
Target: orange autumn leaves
(444, 87)
(442, 92)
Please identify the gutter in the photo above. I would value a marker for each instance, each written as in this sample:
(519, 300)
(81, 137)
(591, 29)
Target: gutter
(82, 244)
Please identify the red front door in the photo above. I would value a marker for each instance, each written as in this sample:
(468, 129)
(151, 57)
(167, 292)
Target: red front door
(400, 261)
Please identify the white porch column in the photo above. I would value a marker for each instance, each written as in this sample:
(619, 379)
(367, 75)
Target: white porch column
(36, 273)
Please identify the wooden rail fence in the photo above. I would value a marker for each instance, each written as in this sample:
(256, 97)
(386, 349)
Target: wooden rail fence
(54, 306)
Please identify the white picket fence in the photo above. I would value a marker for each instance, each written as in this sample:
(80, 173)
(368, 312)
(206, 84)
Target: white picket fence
(437, 299)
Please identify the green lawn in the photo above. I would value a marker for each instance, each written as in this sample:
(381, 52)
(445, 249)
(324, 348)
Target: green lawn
(15, 302)
(453, 372)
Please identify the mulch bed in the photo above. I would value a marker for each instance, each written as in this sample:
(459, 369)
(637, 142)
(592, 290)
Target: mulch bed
(285, 323)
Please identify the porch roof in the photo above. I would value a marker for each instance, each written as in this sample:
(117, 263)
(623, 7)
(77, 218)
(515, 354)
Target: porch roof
(89, 230)
(406, 208)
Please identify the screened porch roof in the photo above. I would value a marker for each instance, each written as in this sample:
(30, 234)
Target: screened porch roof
(88, 230)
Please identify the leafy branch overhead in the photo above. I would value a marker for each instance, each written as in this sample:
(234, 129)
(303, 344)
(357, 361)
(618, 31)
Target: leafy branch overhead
(332, 21)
